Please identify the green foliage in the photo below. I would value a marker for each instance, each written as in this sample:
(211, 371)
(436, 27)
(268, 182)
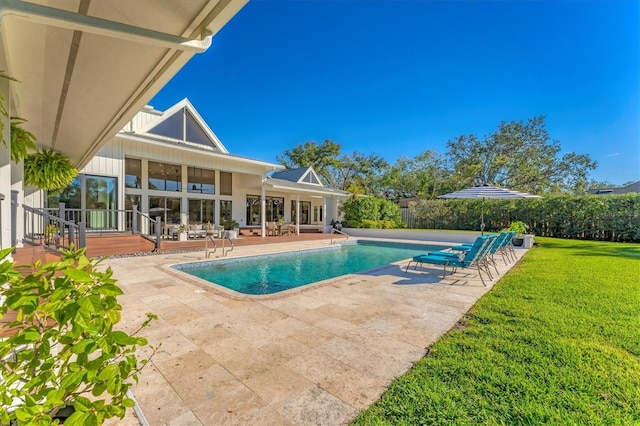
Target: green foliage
(229, 225)
(555, 342)
(591, 217)
(65, 345)
(521, 156)
(49, 169)
(519, 227)
(371, 212)
(320, 156)
(22, 141)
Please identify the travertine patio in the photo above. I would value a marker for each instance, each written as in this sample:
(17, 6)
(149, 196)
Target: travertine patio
(315, 357)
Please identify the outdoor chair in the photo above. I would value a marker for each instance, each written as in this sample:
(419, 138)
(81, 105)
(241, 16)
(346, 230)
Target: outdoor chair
(271, 228)
(470, 258)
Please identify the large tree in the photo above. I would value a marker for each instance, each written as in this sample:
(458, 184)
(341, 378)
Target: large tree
(320, 156)
(519, 155)
(421, 176)
(353, 172)
(358, 173)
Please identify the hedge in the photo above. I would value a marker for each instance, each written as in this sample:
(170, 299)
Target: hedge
(592, 217)
(371, 212)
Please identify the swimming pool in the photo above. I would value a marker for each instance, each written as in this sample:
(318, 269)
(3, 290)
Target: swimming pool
(268, 274)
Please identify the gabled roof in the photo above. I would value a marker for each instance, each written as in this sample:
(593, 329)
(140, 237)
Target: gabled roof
(633, 187)
(300, 175)
(276, 183)
(183, 123)
(303, 179)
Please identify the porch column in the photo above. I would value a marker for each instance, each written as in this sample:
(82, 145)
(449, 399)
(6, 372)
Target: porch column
(263, 210)
(297, 214)
(5, 172)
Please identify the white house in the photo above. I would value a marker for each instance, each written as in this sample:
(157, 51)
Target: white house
(84, 69)
(171, 164)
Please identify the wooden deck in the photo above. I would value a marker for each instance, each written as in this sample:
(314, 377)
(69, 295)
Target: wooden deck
(126, 243)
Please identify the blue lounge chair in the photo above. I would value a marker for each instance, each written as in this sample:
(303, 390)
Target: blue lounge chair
(485, 259)
(464, 260)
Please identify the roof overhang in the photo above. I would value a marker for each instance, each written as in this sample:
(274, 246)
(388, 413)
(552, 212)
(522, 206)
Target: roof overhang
(85, 68)
(237, 162)
(301, 188)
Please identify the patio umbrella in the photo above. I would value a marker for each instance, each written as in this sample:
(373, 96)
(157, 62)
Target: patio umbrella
(487, 191)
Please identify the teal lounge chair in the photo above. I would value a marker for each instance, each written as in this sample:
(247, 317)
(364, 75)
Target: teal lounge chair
(465, 260)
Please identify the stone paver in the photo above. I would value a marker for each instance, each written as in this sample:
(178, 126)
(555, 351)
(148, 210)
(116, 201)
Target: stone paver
(311, 357)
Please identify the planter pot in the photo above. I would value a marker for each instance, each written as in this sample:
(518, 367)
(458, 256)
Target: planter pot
(182, 236)
(232, 234)
(517, 241)
(528, 241)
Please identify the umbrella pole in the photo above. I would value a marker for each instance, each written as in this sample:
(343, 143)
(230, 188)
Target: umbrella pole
(482, 218)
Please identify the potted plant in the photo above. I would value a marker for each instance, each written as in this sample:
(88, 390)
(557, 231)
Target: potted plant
(182, 233)
(63, 351)
(231, 227)
(520, 228)
(50, 232)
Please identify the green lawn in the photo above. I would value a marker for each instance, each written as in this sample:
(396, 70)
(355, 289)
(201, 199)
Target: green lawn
(557, 341)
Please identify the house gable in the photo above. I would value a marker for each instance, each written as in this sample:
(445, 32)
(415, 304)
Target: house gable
(301, 175)
(182, 123)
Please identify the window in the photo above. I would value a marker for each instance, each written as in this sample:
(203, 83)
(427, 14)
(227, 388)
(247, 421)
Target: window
(225, 183)
(71, 196)
(225, 211)
(305, 212)
(310, 178)
(201, 181)
(274, 209)
(132, 173)
(165, 177)
(317, 213)
(95, 194)
(167, 208)
(253, 210)
(201, 211)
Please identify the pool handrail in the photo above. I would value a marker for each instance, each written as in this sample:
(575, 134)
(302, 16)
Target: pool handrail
(333, 230)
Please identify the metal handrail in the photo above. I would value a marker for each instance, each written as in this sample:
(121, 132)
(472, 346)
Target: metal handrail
(36, 232)
(225, 236)
(334, 230)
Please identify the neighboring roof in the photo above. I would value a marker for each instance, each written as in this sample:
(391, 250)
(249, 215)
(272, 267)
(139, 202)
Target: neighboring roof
(300, 175)
(84, 68)
(633, 187)
(183, 123)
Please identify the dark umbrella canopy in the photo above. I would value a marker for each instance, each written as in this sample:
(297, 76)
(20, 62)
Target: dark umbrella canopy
(487, 191)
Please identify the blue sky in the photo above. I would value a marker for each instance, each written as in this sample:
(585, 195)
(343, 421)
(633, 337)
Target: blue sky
(400, 77)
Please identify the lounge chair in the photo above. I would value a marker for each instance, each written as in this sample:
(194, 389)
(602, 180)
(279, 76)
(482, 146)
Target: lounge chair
(470, 258)
(488, 258)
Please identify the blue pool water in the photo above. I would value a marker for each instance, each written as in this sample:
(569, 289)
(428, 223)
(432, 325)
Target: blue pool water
(270, 274)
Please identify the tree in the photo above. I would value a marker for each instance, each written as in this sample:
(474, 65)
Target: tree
(321, 157)
(519, 156)
(357, 173)
(420, 176)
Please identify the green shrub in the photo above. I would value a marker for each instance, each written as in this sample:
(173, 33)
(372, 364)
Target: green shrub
(371, 212)
(64, 344)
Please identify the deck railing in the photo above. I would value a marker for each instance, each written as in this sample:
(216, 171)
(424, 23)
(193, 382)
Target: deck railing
(55, 233)
(93, 221)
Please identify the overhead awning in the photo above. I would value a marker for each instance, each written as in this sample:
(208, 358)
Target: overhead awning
(85, 67)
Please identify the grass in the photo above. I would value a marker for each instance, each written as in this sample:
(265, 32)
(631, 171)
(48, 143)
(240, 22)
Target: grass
(557, 341)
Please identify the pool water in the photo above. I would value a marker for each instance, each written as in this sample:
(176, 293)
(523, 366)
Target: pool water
(270, 274)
